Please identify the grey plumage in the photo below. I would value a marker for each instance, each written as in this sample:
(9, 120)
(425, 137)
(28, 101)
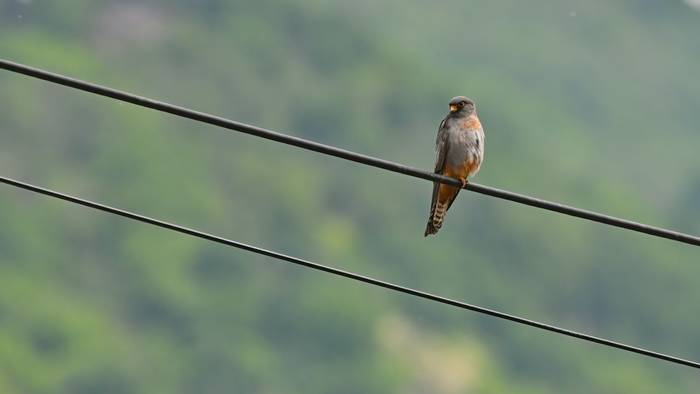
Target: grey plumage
(459, 151)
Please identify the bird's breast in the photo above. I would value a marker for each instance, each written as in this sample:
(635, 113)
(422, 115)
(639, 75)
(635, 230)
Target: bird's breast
(466, 147)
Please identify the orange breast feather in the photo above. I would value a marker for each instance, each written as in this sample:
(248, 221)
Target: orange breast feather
(470, 123)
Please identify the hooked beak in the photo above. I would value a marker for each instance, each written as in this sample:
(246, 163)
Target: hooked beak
(453, 108)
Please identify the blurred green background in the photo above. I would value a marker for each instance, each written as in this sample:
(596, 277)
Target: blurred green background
(592, 103)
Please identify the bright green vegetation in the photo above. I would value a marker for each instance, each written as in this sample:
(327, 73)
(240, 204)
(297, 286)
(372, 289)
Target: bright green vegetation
(591, 103)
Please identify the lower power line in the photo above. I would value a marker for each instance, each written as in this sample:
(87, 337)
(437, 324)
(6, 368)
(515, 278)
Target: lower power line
(347, 274)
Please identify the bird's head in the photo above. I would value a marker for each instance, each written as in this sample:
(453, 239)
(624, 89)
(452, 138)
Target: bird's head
(462, 105)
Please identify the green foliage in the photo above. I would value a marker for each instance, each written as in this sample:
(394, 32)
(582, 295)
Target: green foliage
(591, 103)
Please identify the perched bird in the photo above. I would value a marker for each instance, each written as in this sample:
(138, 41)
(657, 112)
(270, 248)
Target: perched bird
(460, 151)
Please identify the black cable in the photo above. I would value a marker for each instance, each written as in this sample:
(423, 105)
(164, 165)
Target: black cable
(347, 274)
(342, 153)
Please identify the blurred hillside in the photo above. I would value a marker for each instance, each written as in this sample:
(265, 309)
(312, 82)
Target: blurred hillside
(590, 103)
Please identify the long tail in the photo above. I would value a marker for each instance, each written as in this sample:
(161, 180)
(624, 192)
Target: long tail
(443, 197)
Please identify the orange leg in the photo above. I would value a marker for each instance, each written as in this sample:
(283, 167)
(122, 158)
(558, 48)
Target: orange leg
(460, 172)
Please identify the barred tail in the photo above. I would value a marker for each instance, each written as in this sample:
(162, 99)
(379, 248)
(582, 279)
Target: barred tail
(437, 216)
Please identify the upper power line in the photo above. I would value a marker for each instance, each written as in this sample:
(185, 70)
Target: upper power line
(348, 274)
(342, 153)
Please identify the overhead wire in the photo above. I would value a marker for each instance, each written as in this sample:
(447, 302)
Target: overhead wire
(346, 274)
(342, 153)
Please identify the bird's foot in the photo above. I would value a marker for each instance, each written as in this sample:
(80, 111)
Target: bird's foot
(465, 182)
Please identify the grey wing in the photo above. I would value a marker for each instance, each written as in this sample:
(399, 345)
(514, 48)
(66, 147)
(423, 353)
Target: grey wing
(441, 148)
